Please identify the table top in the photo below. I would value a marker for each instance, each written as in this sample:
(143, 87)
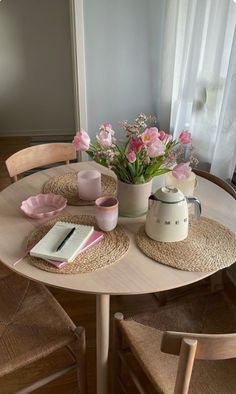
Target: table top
(134, 273)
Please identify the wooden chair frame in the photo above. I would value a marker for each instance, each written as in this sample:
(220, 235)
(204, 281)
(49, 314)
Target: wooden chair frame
(80, 366)
(217, 278)
(218, 181)
(188, 346)
(39, 155)
(31, 301)
(24, 160)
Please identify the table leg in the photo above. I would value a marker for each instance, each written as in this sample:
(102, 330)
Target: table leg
(103, 319)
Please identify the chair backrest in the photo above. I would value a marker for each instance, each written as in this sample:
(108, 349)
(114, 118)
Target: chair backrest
(39, 155)
(196, 346)
(218, 181)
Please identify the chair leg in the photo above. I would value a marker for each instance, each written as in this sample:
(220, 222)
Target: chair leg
(217, 282)
(185, 365)
(80, 354)
(116, 348)
(161, 298)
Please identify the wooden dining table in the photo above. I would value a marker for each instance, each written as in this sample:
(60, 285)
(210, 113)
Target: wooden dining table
(134, 273)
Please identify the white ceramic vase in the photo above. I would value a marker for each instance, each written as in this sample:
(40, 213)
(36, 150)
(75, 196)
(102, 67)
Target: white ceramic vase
(133, 198)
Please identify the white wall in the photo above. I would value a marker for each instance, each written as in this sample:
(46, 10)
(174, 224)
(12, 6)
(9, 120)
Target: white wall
(157, 32)
(36, 85)
(121, 44)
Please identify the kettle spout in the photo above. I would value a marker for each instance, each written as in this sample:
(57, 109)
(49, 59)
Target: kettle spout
(197, 205)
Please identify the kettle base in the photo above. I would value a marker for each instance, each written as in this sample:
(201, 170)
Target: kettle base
(161, 236)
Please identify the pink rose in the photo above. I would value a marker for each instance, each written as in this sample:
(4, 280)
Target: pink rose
(182, 170)
(156, 149)
(81, 140)
(131, 156)
(135, 144)
(165, 137)
(185, 137)
(105, 138)
(150, 135)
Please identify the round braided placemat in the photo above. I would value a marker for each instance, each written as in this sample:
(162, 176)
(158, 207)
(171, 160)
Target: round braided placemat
(209, 246)
(106, 252)
(67, 186)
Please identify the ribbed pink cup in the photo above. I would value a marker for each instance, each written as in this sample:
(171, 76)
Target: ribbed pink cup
(89, 185)
(106, 212)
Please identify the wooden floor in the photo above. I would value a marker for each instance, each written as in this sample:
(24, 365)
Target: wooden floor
(80, 307)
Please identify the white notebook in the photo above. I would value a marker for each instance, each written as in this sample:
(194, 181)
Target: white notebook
(46, 248)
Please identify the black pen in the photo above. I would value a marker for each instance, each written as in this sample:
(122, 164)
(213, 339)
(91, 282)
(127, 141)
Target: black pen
(66, 239)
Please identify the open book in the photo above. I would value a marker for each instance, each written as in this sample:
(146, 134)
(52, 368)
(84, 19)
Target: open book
(47, 247)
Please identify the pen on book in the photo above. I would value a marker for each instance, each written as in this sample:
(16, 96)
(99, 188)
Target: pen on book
(65, 239)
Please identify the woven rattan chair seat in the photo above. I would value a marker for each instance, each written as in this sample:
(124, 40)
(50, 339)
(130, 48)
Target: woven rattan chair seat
(211, 314)
(32, 323)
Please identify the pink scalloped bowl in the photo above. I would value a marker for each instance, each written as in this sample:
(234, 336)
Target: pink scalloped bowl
(43, 205)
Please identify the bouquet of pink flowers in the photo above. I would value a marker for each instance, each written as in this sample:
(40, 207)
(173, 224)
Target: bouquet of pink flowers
(147, 152)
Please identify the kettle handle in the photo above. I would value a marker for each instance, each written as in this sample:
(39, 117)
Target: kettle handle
(197, 205)
(151, 200)
(152, 197)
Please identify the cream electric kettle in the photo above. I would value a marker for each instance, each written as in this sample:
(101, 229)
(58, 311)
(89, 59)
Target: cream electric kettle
(167, 217)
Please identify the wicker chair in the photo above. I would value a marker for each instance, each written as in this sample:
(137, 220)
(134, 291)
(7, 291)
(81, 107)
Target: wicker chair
(198, 356)
(39, 155)
(35, 329)
(33, 326)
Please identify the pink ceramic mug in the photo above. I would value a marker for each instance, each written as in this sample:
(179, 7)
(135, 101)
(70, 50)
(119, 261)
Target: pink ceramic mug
(89, 185)
(106, 212)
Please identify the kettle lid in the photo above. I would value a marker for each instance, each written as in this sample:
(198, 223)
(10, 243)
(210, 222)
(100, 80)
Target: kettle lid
(169, 194)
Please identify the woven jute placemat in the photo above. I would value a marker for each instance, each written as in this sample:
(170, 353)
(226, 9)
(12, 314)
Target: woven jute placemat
(67, 186)
(106, 252)
(209, 246)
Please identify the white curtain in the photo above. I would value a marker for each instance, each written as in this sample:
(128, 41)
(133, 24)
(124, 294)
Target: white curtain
(201, 91)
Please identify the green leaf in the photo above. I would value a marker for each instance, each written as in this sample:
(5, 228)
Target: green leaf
(131, 169)
(126, 148)
(139, 179)
(161, 171)
(152, 168)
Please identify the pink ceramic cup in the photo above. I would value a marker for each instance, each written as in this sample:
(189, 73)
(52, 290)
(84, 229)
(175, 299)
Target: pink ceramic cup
(106, 212)
(89, 185)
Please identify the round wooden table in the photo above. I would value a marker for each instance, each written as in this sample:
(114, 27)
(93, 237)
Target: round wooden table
(133, 274)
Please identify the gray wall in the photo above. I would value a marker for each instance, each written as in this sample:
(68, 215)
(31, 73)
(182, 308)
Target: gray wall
(36, 86)
(121, 44)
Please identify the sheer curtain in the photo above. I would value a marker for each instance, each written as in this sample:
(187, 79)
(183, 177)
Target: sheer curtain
(202, 69)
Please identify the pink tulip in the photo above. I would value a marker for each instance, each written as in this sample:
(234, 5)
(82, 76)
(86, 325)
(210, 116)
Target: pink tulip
(107, 127)
(131, 156)
(165, 137)
(81, 140)
(150, 135)
(182, 170)
(135, 144)
(105, 138)
(156, 149)
(185, 137)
